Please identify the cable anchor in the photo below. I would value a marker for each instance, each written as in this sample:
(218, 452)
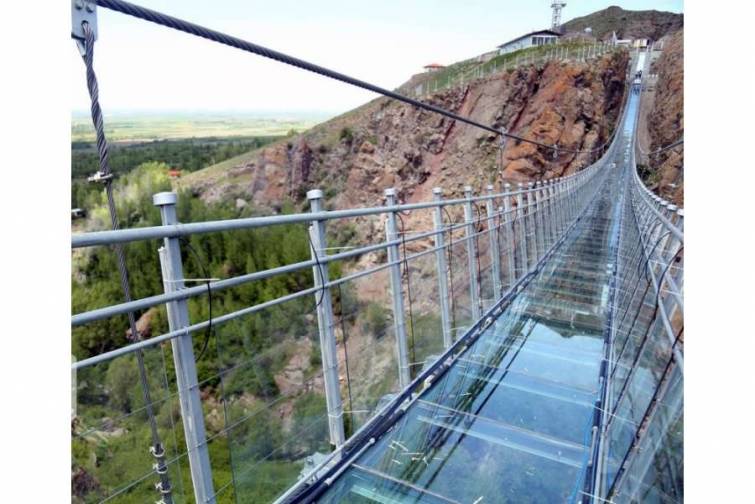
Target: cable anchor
(83, 11)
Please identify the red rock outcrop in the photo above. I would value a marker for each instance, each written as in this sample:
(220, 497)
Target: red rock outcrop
(389, 144)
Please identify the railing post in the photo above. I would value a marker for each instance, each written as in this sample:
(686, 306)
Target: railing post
(540, 230)
(677, 275)
(442, 268)
(558, 207)
(402, 347)
(474, 297)
(522, 238)
(572, 198)
(326, 323)
(550, 192)
(509, 216)
(567, 202)
(532, 223)
(183, 357)
(495, 249)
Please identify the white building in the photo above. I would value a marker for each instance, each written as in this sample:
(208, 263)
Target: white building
(535, 38)
(615, 40)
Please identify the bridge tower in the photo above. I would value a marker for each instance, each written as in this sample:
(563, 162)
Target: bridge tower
(556, 19)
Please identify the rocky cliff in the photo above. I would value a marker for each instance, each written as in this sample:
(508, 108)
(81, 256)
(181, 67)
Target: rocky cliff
(649, 24)
(389, 144)
(666, 122)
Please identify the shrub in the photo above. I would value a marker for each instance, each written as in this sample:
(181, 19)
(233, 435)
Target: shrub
(346, 135)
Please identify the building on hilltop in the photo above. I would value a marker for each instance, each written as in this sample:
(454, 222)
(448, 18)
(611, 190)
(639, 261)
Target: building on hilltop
(433, 67)
(532, 39)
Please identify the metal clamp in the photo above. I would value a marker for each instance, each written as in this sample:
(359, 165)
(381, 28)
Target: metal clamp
(165, 490)
(157, 451)
(83, 11)
(159, 468)
(502, 141)
(100, 176)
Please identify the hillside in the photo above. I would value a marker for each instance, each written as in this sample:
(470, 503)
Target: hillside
(651, 24)
(666, 122)
(388, 144)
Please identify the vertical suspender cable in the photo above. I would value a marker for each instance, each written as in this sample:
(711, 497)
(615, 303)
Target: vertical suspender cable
(106, 177)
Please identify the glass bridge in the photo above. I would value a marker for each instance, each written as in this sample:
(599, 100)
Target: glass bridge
(567, 389)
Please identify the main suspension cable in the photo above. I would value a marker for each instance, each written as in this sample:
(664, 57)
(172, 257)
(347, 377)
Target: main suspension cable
(105, 176)
(662, 149)
(159, 18)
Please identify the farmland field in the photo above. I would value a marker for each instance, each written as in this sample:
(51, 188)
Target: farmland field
(135, 127)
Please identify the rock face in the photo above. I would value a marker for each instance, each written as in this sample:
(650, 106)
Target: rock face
(649, 24)
(666, 122)
(389, 144)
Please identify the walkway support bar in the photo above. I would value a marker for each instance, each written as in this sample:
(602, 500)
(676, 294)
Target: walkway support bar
(442, 269)
(326, 324)
(399, 324)
(183, 357)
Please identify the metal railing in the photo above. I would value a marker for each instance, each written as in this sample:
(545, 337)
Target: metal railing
(540, 55)
(641, 433)
(481, 247)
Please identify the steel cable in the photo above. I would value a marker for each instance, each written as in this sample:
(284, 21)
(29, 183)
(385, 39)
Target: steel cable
(225, 39)
(104, 174)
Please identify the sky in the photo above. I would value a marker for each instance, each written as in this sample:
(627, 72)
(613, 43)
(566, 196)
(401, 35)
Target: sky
(144, 67)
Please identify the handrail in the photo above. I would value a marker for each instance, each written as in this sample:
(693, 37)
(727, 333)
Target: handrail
(103, 238)
(189, 292)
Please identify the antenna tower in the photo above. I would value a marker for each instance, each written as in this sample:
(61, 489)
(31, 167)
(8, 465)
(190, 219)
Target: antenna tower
(556, 20)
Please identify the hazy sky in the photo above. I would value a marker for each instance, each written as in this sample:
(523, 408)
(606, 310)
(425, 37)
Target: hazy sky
(142, 66)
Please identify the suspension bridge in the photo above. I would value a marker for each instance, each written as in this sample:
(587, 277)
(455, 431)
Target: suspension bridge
(553, 369)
